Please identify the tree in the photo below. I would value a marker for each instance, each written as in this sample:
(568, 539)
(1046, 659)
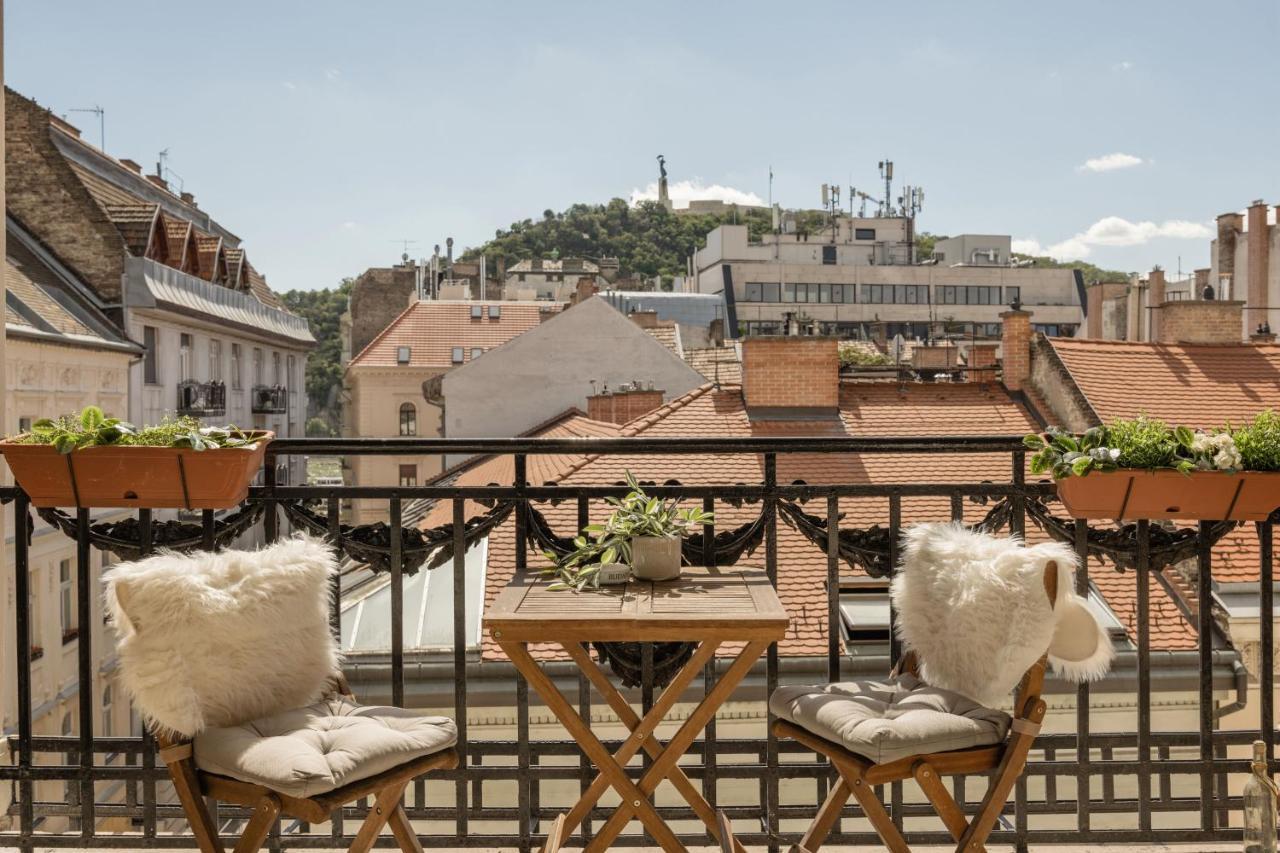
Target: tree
(322, 309)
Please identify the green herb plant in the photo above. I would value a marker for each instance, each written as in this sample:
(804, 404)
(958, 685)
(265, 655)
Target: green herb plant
(635, 515)
(93, 428)
(1259, 442)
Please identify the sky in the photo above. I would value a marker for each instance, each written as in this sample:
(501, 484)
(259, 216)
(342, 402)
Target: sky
(323, 133)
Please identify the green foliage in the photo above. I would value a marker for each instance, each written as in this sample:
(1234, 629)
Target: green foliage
(323, 309)
(925, 243)
(92, 428)
(856, 356)
(637, 514)
(1145, 443)
(1259, 442)
(647, 239)
(319, 428)
(1090, 272)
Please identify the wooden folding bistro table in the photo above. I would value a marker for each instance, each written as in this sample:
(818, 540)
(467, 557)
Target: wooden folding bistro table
(710, 607)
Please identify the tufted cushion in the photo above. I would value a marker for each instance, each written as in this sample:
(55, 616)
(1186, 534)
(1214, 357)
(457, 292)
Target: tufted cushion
(884, 720)
(312, 750)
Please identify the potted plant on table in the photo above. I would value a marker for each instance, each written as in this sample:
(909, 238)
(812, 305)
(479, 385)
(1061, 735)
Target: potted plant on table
(642, 532)
(1144, 468)
(92, 460)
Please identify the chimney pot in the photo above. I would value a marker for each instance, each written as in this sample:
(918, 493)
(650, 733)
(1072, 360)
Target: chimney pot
(1015, 348)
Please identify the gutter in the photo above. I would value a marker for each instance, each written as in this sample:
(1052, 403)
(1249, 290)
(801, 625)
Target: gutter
(1242, 692)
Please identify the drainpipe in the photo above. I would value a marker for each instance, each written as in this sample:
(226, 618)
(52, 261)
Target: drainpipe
(1242, 692)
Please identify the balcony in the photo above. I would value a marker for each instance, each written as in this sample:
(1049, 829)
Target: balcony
(1154, 754)
(202, 399)
(269, 400)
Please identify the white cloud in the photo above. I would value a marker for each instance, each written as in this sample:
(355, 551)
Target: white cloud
(1113, 231)
(682, 192)
(1123, 65)
(1111, 162)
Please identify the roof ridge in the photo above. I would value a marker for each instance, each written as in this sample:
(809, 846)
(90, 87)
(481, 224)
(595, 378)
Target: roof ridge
(637, 425)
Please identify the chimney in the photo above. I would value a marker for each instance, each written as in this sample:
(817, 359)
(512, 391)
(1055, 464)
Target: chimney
(624, 405)
(982, 363)
(1015, 348)
(1256, 300)
(1201, 282)
(1229, 225)
(1155, 299)
(189, 198)
(585, 289)
(715, 332)
(645, 319)
(158, 181)
(791, 375)
(131, 165)
(1263, 335)
(1201, 321)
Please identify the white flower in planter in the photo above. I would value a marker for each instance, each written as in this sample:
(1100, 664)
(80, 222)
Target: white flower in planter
(1216, 452)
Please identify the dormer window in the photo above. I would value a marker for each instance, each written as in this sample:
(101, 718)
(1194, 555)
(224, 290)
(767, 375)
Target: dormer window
(495, 312)
(477, 311)
(402, 355)
(457, 355)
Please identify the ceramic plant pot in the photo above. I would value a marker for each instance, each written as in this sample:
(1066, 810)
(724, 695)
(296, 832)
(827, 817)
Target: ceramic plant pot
(655, 558)
(130, 476)
(1167, 494)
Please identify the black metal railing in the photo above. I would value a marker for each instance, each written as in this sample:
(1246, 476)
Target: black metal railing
(1112, 778)
(202, 399)
(269, 399)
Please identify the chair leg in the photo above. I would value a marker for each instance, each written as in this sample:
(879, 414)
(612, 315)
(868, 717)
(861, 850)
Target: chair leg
(260, 823)
(187, 787)
(879, 818)
(827, 816)
(405, 835)
(943, 803)
(384, 806)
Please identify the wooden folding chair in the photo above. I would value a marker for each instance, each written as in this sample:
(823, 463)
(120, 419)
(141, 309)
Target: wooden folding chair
(858, 776)
(193, 785)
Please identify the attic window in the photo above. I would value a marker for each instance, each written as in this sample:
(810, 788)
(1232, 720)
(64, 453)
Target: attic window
(402, 355)
(495, 312)
(476, 352)
(477, 311)
(457, 355)
(864, 609)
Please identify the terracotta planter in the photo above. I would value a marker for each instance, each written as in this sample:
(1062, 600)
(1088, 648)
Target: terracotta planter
(1203, 495)
(150, 477)
(655, 558)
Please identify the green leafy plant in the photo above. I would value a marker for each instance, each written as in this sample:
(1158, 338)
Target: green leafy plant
(1259, 442)
(93, 428)
(636, 514)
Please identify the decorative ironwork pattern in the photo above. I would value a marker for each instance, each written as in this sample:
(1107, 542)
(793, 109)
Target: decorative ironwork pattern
(125, 538)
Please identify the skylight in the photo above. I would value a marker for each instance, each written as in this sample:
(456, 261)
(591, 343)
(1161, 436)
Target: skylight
(402, 355)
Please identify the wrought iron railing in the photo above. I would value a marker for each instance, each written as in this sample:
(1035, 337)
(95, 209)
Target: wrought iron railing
(202, 399)
(1128, 782)
(269, 399)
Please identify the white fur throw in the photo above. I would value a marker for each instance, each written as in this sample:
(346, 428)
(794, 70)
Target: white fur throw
(975, 611)
(217, 639)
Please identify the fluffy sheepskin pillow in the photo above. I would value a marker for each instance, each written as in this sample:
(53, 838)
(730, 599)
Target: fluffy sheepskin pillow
(217, 639)
(974, 609)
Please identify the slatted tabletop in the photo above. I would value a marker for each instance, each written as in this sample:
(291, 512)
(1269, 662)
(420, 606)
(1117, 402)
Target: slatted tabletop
(702, 604)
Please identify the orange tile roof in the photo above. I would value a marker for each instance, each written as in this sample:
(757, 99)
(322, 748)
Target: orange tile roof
(431, 329)
(867, 410)
(258, 287)
(209, 252)
(1196, 385)
(718, 364)
(667, 335)
(135, 222)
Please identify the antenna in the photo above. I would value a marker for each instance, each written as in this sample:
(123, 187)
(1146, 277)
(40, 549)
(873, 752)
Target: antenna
(164, 172)
(405, 244)
(102, 123)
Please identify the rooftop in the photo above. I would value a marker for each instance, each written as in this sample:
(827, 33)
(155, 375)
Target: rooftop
(431, 329)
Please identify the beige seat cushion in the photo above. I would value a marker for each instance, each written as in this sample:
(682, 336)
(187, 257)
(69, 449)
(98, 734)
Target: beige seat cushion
(312, 750)
(884, 720)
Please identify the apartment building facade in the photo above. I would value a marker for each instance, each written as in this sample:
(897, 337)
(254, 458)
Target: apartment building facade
(1245, 264)
(219, 344)
(859, 279)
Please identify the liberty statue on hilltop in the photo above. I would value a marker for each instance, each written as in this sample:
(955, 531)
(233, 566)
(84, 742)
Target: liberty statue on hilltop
(663, 198)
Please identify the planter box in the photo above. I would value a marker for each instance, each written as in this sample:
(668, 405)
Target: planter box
(148, 477)
(1203, 495)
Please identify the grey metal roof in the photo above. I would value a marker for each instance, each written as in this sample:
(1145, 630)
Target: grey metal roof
(150, 284)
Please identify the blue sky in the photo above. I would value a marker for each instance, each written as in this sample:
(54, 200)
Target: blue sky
(322, 132)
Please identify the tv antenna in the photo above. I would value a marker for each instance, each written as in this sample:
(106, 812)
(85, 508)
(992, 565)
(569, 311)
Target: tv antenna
(164, 172)
(102, 123)
(404, 246)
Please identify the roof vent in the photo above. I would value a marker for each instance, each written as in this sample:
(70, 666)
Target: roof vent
(402, 355)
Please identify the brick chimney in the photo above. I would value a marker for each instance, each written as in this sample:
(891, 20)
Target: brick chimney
(798, 375)
(586, 288)
(131, 165)
(1256, 300)
(645, 319)
(1155, 299)
(715, 332)
(625, 404)
(982, 363)
(1015, 348)
(1201, 321)
(1229, 225)
(189, 198)
(158, 181)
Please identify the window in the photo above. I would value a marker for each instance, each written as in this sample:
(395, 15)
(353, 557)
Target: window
(106, 710)
(837, 292)
(762, 291)
(235, 367)
(184, 357)
(1056, 330)
(402, 355)
(257, 366)
(896, 294)
(476, 352)
(408, 419)
(829, 255)
(864, 233)
(277, 378)
(495, 312)
(290, 364)
(477, 311)
(151, 358)
(408, 475)
(970, 295)
(67, 599)
(457, 355)
(24, 424)
(36, 610)
(215, 360)
(1012, 295)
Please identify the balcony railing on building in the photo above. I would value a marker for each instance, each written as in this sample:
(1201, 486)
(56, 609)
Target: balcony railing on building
(202, 399)
(269, 399)
(1098, 776)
